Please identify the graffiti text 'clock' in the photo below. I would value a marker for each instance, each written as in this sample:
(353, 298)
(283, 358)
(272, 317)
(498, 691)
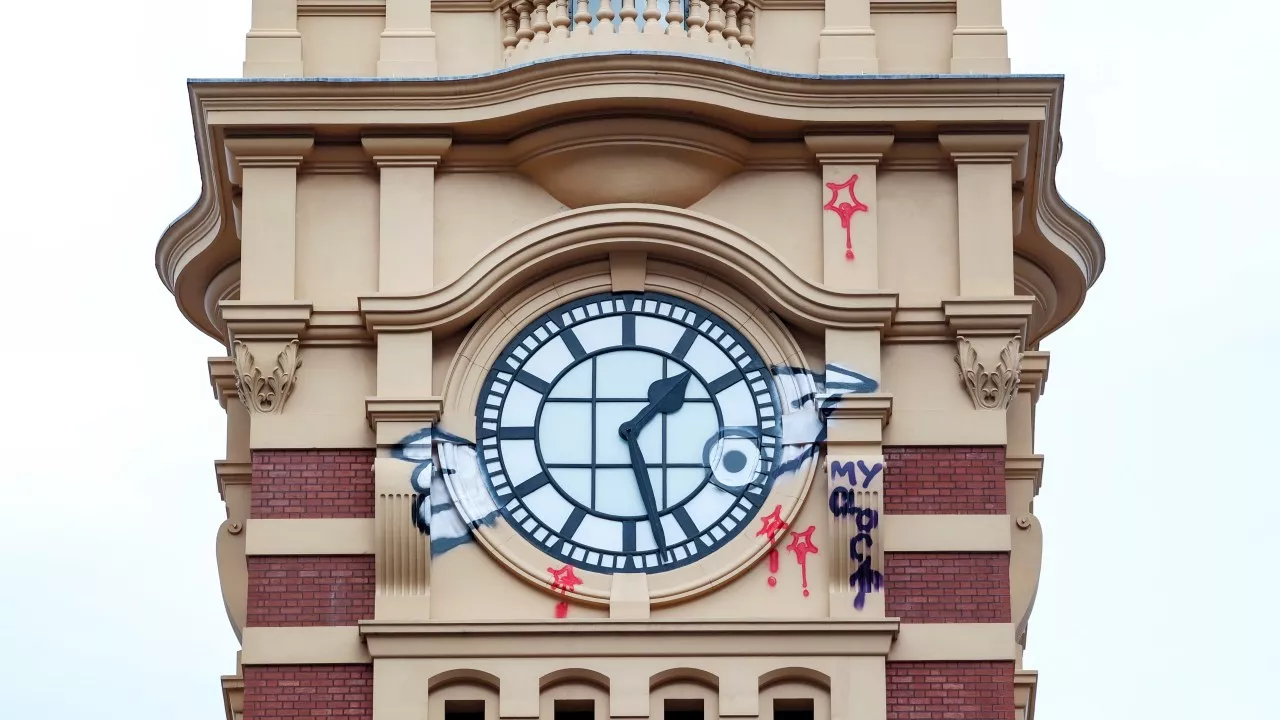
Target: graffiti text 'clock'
(629, 432)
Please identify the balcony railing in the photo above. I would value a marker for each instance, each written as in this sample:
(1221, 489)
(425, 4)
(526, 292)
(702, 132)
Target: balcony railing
(547, 28)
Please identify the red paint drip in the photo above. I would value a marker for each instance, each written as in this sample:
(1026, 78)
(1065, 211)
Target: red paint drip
(802, 545)
(563, 581)
(846, 210)
(771, 525)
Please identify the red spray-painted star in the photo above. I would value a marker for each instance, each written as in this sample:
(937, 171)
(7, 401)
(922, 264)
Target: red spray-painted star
(845, 209)
(802, 545)
(771, 525)
(565, 581)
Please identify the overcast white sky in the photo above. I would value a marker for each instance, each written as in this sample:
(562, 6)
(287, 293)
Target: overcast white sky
(1158, 598)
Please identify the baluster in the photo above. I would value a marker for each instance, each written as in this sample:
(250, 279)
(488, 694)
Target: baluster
(605, 16)
(560, 19)
(525, 33)
(541, 26)
(715, 22)
(731, 30)
(698, 20)
(651, 18)
(629, 14)
(675, 18)
(583, 19)
(509, 40)
(748, 36)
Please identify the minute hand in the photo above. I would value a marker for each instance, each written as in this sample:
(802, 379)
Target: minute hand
(646, 494)
(666, 396)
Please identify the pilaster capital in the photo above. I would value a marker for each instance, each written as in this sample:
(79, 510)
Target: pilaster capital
(222, 377)
(406, 150)
(249, 321)
(392, 419)
(231, 474)
(876, 406)
(1035, 373)
(1025, 468)
(989, 316)
(866, 149)
(983, 148)
(266, 152)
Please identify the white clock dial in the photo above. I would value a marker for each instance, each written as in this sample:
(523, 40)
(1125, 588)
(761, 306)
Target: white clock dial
(629, 432)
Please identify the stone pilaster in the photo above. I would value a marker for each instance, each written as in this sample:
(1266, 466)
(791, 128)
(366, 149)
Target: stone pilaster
(273, 47)
(266, 169)
(847, 44)
(408, 46)
(979, 43)
(984, 179)
(849, 202)
(406, 240)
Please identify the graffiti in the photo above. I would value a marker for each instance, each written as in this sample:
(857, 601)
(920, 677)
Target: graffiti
(846, 209)
(771, 525)
(807, 401)
(451, 495)
(563, 581)
(802, 545)
(865, 578)
(844, 503)
(850, 470)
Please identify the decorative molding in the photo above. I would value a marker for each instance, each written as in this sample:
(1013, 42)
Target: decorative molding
(310, 536)
(912, 6)
(203, 240)
(326, 645)
(990, 389)
(954, 642)
(342, 8)
(620, 638)
(266, 394)
(233, 696)
(946, 533)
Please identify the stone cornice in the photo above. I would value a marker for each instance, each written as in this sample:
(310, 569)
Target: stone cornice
(203, 241)
(232, 473)
(222, 377)
(624, 638)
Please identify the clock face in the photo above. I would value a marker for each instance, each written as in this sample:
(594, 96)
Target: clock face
(629, 432)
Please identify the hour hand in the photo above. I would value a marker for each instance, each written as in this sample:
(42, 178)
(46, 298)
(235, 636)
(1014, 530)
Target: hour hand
(646, 494)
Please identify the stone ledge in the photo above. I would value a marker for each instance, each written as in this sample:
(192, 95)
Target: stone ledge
(309, 536)
(946, 533)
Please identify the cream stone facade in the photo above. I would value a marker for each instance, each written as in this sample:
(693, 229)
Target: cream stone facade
(855, 195)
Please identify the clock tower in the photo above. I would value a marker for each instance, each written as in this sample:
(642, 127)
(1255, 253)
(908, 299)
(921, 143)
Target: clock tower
(629, 359)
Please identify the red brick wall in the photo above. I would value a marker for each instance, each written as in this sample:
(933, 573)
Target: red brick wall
(305, 692)
(312, 484)
(297, 591)
(950, 690)
(947, 587)
(955, 480)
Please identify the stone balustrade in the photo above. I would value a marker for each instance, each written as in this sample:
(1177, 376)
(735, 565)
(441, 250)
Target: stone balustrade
(536, 29)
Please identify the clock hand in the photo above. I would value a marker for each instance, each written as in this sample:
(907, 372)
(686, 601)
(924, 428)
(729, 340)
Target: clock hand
(646, 494)
(666, 396)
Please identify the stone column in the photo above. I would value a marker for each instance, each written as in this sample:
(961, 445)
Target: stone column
(273, 47)
(408, 47)
(1023, 473)
(979, 44)
(847, 44)
(266, 169)
(405, 406)
(984, 178)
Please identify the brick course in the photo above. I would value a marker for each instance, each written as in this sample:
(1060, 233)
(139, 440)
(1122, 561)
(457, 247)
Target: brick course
(310, 590)
(955, 480)
(305, 692)
(950, 690)
(947, 587)
(312, 484)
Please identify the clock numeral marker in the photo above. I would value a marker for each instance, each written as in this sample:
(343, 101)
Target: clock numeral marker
(686, 523)
(537, 384)
(571, 525)
(724, 382)
(572, 342)
(629, 536)
(686, 342)
(517, 433)
(629, 330)
(532, 484)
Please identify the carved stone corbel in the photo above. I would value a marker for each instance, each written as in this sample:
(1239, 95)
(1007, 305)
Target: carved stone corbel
(261, 393)
(990, 389)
